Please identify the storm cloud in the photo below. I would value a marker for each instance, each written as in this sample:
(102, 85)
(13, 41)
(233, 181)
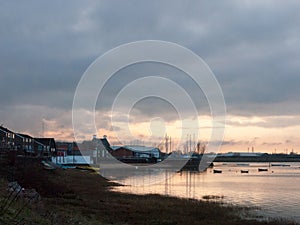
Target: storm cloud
(253, 48)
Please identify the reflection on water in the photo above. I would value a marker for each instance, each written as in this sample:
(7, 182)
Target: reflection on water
(275, 191)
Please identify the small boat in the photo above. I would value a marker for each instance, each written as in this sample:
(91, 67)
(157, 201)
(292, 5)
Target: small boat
(244, 171)
(47, 165)
(262, 169)
(217, 171)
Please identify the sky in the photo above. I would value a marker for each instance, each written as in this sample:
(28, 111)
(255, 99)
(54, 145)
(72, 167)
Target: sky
(252, 47)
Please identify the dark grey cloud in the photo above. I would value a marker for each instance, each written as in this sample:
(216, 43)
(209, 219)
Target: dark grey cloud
(152, 106)
(253, 47)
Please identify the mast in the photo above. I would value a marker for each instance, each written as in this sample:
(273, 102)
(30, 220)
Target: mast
(167, 143)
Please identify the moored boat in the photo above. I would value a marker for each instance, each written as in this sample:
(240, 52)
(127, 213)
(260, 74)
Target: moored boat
(47, 165)
(262, 169)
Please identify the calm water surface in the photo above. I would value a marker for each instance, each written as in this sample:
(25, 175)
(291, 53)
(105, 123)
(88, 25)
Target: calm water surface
(276, 192)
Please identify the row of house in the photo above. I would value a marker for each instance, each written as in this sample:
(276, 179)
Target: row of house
(25, 144)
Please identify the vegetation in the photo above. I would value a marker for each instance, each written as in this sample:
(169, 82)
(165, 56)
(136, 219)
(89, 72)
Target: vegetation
(83, 197)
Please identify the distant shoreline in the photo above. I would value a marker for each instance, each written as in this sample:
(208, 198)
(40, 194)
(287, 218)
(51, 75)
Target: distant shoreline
(263, 158)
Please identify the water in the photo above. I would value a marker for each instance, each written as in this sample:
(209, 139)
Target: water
(276, 192)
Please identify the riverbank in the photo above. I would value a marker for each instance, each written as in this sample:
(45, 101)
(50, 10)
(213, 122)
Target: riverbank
(83, 197)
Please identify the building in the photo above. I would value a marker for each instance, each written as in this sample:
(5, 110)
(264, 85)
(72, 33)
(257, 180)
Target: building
(102, 143)
(44, 146)
(102, 147)
(7, 138)
(24, 143)
(136, 152)
(121, 152)
(67, 148)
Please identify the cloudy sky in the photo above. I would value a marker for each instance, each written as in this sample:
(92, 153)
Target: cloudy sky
(252, 47)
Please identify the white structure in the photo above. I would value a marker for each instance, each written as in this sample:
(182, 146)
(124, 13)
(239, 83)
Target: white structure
(73, 160)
